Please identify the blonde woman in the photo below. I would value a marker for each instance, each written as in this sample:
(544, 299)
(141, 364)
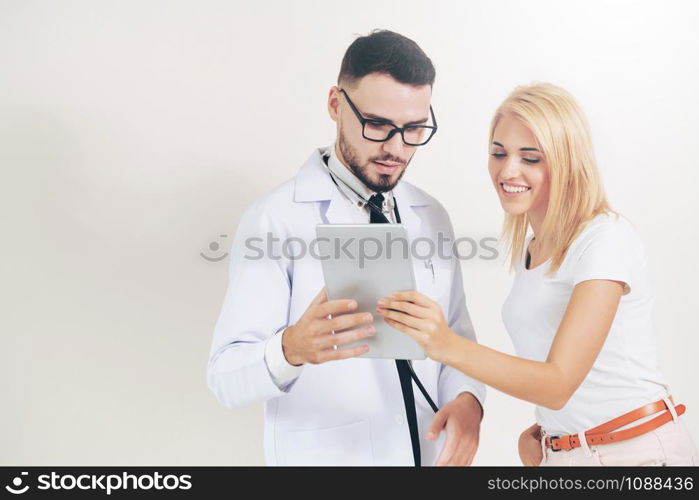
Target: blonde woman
(580, 309)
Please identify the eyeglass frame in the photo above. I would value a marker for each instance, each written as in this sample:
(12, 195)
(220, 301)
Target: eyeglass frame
(396, 128)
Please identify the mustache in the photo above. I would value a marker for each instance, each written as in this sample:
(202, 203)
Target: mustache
(388, 157)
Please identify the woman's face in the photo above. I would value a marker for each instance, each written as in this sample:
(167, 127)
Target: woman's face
(518, 169)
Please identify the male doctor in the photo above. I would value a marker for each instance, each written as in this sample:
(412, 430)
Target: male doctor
(274, 340)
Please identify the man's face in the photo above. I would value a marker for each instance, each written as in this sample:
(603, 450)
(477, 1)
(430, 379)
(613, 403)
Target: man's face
(379, 165)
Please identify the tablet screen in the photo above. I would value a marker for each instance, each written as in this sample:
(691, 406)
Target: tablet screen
(365, 262)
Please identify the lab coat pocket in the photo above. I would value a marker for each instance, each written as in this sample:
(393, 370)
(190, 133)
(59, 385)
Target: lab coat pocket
(433, 278)
(341, 445)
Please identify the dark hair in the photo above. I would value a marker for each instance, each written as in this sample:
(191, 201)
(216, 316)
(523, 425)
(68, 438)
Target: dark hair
(384, 51)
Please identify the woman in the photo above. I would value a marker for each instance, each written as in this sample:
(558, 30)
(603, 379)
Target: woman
(580, 309)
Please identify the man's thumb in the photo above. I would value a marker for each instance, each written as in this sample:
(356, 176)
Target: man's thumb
(438, 423)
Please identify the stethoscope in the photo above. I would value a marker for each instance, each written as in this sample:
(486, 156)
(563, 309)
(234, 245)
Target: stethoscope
(379, 210)
(372, 206)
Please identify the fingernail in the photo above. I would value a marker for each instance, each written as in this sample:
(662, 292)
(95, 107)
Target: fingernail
(351, 305)
(371, 330)
(368, 317)
(382, 302)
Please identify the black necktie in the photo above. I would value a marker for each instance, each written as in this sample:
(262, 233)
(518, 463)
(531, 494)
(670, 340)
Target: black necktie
(406, 383)
(377, 215)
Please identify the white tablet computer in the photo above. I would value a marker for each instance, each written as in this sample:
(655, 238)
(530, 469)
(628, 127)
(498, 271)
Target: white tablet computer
(365, 262)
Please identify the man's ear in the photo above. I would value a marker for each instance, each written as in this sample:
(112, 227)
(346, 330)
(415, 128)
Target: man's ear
(334, 100)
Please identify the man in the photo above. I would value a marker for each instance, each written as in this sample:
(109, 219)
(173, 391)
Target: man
(274, 339)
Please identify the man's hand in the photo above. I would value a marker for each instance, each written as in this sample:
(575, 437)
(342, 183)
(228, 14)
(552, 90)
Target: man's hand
(530, 446)
(310, 340)
(461, 419)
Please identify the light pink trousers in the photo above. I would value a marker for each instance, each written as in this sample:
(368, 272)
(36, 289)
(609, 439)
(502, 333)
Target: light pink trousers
(669, 444)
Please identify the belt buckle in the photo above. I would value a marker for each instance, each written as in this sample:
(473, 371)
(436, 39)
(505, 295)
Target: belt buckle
(551, 438)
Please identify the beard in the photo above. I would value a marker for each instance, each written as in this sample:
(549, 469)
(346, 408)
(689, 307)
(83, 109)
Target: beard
(362, 171)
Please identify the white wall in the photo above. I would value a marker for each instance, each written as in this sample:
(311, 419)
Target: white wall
(133, 134)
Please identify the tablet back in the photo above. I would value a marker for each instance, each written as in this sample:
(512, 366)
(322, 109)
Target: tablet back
(365, 262)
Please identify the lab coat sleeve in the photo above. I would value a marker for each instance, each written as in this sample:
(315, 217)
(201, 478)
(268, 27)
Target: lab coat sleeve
(453, 382)
(255, 307)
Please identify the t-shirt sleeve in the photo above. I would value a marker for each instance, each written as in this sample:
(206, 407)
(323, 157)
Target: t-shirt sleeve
(609, 251)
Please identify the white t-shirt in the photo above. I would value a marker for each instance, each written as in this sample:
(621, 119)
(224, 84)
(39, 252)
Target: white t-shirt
(625, 375)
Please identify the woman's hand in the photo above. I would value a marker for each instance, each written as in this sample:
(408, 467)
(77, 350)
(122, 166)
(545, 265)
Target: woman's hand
(530, 446)
(420, 318)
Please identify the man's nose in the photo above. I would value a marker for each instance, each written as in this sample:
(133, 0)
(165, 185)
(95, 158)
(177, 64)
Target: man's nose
(395, 145)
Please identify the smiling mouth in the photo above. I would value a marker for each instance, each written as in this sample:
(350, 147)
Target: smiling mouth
(514, 189)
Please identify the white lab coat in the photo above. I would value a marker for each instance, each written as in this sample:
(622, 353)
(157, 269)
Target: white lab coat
(347, 412)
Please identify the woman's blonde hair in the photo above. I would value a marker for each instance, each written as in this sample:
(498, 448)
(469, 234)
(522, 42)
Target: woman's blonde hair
(576, 194)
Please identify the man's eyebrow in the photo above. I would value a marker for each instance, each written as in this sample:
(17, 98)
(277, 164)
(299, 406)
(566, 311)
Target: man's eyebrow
(417, 122)
(372, 116)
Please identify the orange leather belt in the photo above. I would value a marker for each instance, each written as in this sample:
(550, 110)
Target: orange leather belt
(602, 434)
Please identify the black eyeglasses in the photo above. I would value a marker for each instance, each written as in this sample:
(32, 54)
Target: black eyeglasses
(382, 130)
